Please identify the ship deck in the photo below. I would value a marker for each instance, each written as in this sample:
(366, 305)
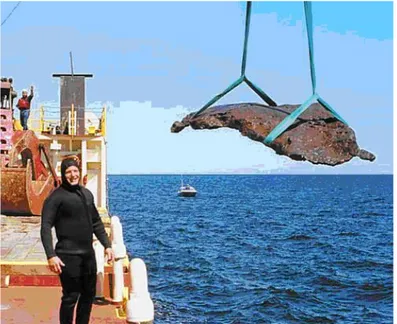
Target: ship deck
(30, 293)
(41, 305)
(20, 240)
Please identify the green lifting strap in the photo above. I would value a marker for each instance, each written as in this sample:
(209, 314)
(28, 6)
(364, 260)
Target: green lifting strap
(220, 95)
(246, 34)
(242, 77)
(289, 120)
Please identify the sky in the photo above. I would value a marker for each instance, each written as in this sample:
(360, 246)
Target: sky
(155, 62)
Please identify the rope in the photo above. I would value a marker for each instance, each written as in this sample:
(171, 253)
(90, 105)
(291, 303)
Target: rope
(9, 15)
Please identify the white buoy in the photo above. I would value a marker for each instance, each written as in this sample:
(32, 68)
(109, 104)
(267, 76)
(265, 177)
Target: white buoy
(139, 306)
(100, 264)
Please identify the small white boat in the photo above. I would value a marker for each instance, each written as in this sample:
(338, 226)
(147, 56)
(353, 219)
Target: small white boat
(187, 191)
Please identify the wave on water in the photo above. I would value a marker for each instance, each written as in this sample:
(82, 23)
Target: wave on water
(262, 249)
(300, 237)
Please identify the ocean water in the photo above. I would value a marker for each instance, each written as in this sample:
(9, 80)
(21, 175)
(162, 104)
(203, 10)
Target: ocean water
(262, 249)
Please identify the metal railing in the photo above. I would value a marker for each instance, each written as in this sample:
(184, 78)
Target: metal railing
(47, 119)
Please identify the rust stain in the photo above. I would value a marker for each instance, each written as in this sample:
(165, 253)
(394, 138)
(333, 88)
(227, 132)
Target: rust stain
(26, 181)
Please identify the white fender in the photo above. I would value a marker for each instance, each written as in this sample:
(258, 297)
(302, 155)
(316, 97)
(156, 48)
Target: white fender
(120, 252)
(139, 306)
(100, 264)
(116, 230)
(118, 246)
(118, 281)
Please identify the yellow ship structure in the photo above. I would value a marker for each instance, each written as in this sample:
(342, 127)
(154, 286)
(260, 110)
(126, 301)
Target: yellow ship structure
(30, 169)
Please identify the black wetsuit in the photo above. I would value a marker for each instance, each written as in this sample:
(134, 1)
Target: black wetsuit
(71, 210)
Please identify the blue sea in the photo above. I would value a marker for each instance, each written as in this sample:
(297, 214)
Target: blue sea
(262, 248)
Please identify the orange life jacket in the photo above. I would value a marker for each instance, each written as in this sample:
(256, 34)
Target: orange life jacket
(23, 103)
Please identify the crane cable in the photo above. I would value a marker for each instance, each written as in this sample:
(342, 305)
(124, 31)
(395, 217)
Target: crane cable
(9, 15)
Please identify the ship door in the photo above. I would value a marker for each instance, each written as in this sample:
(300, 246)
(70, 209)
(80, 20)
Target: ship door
(94, 183)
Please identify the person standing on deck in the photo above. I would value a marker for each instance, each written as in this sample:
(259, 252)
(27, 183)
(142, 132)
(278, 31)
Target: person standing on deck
(24, 107)
(71, 210)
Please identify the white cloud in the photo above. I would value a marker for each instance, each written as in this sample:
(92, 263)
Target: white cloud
(140, 141)
(186, 57)
(142, 133)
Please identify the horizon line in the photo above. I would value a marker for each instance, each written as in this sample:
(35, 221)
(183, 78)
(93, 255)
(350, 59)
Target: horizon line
(245, 174)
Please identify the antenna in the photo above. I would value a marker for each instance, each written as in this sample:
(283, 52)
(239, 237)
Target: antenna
(71, 62)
